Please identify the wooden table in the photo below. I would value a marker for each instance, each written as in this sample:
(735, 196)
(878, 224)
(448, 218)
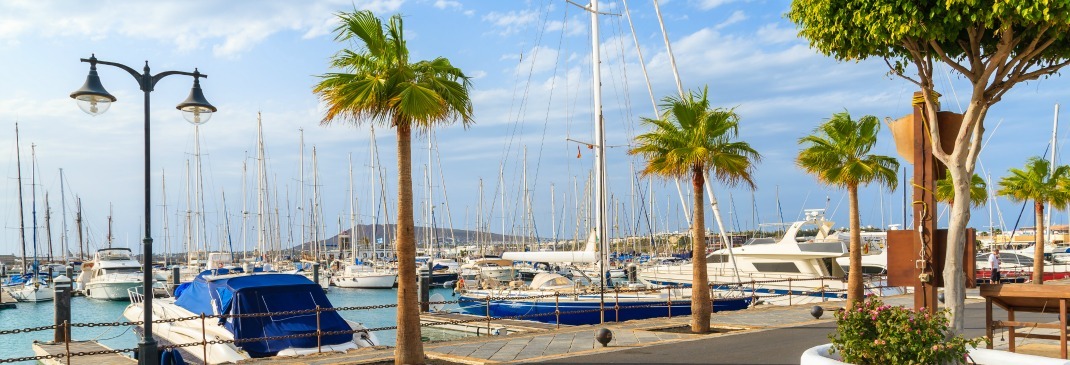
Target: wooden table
(1027, 298)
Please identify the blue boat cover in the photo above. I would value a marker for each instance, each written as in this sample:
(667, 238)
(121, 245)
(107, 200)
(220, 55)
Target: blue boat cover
(264, 293)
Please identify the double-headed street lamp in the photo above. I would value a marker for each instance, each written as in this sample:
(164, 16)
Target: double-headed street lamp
(93, 99)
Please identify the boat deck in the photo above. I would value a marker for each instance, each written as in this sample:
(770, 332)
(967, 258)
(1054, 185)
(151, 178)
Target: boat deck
(49, 348)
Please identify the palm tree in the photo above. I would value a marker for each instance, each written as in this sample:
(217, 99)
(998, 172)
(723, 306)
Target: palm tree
(945, 191)
(689, 138)
(376, 83)
(839, 154)
(1038, 182)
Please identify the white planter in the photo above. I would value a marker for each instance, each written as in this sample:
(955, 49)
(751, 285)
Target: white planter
(819, 355)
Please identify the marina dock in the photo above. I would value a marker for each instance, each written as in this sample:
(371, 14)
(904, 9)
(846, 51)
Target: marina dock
(49, 348)
(480, 326)
(6, 301)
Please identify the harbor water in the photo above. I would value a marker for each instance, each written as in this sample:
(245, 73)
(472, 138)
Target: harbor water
(85, 310)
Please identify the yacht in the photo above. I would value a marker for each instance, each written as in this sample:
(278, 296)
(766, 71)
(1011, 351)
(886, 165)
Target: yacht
(110, 274)
(794, 269)
(217, 292)
(366, 277)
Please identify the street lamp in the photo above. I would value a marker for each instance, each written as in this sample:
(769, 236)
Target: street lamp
(93, 99)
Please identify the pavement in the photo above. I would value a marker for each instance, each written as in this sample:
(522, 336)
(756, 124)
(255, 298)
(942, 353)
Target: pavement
(762, 335)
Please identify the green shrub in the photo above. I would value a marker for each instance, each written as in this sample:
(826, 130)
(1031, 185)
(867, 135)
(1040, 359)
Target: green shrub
(875, 333)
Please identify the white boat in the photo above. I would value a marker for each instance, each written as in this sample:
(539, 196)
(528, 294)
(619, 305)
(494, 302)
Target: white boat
(256, 293)
(489, 269)
(110, 274)
(363, 276)
(791, 270)
(32, 291)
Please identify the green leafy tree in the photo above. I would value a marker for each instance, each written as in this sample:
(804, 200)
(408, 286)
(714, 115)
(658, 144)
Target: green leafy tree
(377, 84)
(1039, 183)
(838, 154)
(994, 45)
(691, 139)
(945, 190)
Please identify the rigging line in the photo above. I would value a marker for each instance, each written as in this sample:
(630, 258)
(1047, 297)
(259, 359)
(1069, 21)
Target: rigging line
(642, 61)
(549, 102)
(520, 109)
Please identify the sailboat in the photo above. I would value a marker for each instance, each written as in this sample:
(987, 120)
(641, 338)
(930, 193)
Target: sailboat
(34, 288)
(553, 298)
(355, 274)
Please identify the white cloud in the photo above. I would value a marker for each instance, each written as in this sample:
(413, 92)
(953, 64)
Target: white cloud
(512, 21)
(772, 33)
(736, 17)
(228, 28)
(443, 4)
(710, 4)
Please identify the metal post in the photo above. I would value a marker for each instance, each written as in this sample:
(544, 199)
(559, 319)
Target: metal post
(425, 290)
(789, 291)
(319, 332)
(668, 291)
(67, 344)
(616, 304)
(147, 351)
(62, 302)
(822, 288)
(69, 271)
(316, 272)
(557, 308)
(204, 340)
(488, 312)
(176, 279)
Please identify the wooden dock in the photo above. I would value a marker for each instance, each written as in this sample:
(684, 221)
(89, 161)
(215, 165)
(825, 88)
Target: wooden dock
(496, 326)
(6, 301)
(49, 348)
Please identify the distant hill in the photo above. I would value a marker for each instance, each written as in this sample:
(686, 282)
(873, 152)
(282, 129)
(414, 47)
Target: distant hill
(458, 236)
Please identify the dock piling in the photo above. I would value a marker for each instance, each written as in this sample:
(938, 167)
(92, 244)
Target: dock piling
(316, 273)
(425, 291)
(62, 301)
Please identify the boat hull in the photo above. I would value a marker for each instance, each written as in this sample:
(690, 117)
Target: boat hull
(32, 294)
(371, 281)
(110, 290)
(543, 309)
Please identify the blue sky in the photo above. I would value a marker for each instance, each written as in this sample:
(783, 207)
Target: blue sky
(530, 63)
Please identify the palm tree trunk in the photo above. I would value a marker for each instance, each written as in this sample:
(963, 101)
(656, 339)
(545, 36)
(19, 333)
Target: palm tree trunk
(854, 276)
(1038, 251)
(700, 288)
(409, 348)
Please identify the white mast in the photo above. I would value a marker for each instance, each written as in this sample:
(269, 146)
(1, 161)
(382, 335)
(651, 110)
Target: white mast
(600, 156)
(163, 213)
(200, 229)
(352, 214)
(430, 203)
(375, 192)
(261, 189)
(479, 219)
(63, 215)
(1051, 166)
(301, 187)
(244, 207)
(189, 219)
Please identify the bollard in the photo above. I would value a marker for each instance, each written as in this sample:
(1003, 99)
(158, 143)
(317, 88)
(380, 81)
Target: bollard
(3, 271)
(62, 301)
(48, 279)
(69, 271)
(176, 278)
(316, 273)
(425, 290)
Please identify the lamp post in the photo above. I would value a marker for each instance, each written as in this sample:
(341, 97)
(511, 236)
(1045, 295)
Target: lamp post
(93, 99)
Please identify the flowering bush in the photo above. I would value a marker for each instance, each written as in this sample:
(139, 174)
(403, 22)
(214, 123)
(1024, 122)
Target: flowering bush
(875, 333)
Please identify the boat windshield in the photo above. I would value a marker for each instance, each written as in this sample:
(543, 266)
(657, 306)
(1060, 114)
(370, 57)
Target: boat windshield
(113, 255)
(760, 241)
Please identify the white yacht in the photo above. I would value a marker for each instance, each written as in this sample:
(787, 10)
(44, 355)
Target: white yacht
(110, 274)
(364, 276)
(792, 270)
(256, 293)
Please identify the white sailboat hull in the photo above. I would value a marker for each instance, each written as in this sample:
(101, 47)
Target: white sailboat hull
(366, 281)
(32, 293)
(110, 290)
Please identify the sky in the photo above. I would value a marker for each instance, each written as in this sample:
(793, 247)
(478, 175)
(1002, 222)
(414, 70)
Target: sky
(530, 67)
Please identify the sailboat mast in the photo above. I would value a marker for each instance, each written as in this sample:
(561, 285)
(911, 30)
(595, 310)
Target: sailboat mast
(430, 203)
(22, 219)
(201, 229)
(301, 187)
(33, 202)
(375, 207)
(479, 219)
(78, 225)
(352, 213)
(63, 216)
(1054, 146)
(163, 213)
(244, 208)
(110, 211)
(600, 156)
(261, 190)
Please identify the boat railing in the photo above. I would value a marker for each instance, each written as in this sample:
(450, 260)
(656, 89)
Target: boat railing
(136, 295)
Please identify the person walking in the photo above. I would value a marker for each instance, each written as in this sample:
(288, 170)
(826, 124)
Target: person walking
(993, 262)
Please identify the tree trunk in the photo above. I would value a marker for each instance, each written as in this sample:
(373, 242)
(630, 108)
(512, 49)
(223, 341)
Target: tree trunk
(1038, 251)
(954, 278)
(854, 275)
(410, 349)
(700, 287)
